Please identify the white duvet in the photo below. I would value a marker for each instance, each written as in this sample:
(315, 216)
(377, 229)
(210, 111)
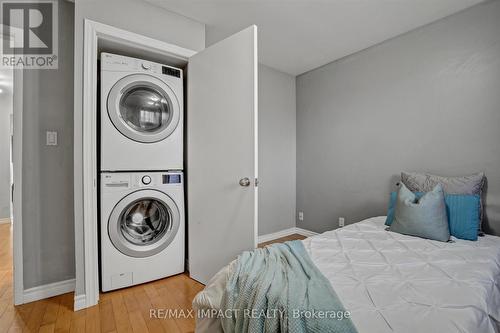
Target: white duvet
(396, 283)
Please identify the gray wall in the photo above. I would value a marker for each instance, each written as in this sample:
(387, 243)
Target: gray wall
(276, 150)
(5, 112)
(48, 233)
(425, 101)
(139, 17)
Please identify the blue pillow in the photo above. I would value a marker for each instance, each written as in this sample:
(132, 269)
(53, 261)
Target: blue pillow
(425, 217)
(463, 213)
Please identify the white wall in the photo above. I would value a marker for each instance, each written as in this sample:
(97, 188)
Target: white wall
(138, 17)
(425, 101)
(5, 112)
(276, 150)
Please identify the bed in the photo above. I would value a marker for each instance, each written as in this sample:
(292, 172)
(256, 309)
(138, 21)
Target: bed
(396, 283)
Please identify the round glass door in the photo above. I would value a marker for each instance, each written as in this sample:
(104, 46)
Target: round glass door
(143, 223)
(143, 108)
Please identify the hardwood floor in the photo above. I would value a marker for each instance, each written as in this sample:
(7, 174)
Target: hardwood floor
(125, 310)
(283, 239)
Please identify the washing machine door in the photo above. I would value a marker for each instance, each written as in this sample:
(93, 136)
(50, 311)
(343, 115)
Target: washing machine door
(144, 223)
(143, 108)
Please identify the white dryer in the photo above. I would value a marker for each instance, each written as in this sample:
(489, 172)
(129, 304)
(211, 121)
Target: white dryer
(141, 115)
(142, 227)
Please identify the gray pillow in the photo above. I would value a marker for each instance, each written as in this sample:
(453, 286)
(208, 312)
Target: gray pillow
(424, 218)
(425, 182)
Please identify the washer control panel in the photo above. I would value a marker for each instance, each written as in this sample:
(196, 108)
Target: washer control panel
(159, 178)
(119, 181)
(171, 178)
(146, 180)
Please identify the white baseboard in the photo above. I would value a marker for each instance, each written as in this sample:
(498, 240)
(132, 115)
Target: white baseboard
(275, 235)
(4, 220)
(284, 233)
(80, 302)
(48, 290)
(305, 232)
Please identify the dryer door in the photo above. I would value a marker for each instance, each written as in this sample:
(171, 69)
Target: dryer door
(144, 223)
(143, 108)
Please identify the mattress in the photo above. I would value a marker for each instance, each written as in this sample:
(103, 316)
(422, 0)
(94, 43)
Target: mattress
(397, 283)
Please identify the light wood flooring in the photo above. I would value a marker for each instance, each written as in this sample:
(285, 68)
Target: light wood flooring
(283, 239)
(125, 310)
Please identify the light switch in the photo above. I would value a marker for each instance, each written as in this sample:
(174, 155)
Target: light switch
(51, 138)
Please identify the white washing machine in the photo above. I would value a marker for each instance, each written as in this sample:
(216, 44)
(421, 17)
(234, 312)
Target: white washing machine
(141, 115)
(142, 227)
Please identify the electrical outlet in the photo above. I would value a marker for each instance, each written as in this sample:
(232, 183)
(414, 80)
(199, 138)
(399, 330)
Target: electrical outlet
(341, 222)
(301, 216)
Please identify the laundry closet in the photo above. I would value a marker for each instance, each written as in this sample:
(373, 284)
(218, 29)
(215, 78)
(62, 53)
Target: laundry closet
(176, 158)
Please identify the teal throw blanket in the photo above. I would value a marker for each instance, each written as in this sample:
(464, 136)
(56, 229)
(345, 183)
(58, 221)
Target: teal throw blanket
(279, 289)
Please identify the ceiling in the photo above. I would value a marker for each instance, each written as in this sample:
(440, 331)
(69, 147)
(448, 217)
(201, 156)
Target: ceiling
(296, 36)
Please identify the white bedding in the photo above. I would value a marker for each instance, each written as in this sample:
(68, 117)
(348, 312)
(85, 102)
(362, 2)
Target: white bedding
(396, 283)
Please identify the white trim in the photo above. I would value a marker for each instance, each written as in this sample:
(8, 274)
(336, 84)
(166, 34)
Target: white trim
(127, 38)
(284, 233)
(17, 165)
(80, 303)
(17, 199)
(276, 235)
(93, 32)
(4, 220)
(256, 136)
(48, 290)
(305, 232)
(89, 165)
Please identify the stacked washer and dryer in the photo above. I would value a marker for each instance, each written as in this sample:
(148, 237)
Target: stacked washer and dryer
(142, 223)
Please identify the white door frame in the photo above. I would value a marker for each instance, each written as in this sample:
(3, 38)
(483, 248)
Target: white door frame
(93, 33)
(17, 197)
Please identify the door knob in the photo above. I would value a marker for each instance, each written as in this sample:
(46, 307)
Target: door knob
(245, 182)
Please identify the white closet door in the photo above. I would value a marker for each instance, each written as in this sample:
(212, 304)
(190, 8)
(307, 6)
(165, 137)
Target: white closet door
(222, 153)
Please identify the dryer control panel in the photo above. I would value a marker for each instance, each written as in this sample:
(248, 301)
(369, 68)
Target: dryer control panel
(118, 63)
